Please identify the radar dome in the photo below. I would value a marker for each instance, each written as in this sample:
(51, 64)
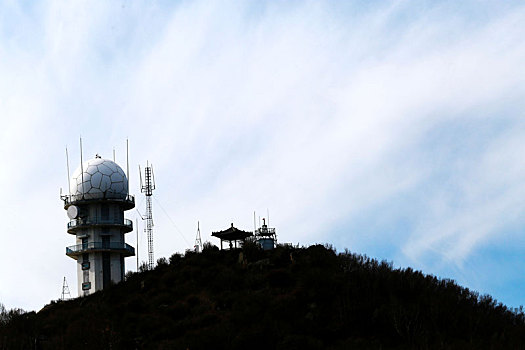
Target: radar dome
(102, 178)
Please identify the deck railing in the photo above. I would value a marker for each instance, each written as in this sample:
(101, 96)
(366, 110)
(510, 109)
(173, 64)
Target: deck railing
(91, 246)
(70, 199)
(87, 222)
(265, 231)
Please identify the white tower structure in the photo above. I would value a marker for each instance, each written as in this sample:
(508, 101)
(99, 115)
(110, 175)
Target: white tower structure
(96, 204)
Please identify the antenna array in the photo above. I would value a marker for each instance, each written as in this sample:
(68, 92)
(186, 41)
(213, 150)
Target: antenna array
(147, 188)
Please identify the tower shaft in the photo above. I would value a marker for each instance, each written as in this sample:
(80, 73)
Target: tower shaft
(149, 231)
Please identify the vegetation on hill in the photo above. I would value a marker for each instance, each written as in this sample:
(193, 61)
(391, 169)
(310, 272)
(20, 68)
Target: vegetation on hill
(288, 298)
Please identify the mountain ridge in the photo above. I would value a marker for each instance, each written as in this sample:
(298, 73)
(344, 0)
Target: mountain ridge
(287, 298)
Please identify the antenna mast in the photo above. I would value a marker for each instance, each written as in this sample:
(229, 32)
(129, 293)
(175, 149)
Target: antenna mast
(65, 291)
(127, 161)
(147, 188)
(82, 167)
(198, 241)
(137, 228)
(68, 176)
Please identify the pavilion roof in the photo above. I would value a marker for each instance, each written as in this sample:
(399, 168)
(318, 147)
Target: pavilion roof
(232, 233)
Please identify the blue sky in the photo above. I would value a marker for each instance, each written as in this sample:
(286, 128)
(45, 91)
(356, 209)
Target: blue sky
(392, 129)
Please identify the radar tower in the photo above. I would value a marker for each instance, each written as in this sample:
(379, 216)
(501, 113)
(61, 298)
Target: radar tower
(147, 188)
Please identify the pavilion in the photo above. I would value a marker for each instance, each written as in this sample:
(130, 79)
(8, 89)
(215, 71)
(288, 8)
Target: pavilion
(232, 235)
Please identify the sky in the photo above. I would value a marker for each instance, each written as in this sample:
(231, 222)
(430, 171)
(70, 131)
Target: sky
(393, 129)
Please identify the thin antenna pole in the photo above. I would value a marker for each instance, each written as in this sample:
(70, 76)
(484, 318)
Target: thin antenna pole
(137, 228)
(114, 154)
(82, 166)
(127, 161)
(140, 175)
(152, 176)
(68, 175)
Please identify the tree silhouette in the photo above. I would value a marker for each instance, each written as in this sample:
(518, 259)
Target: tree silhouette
(287, 298)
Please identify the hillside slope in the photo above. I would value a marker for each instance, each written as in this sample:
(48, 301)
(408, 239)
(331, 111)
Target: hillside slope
(289, 298)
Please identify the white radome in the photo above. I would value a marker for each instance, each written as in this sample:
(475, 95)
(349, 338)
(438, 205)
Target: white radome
(102, 178)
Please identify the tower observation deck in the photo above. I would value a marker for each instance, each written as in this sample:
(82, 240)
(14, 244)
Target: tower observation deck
(95, 206)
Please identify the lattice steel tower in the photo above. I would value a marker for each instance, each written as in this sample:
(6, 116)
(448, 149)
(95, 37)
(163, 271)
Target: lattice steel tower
(198, 241)
(66, 294)
(147, 188)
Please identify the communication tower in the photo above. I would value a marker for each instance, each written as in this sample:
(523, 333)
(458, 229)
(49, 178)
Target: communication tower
(98, 197)
(65, 291)
(147, 188)
(198, 241)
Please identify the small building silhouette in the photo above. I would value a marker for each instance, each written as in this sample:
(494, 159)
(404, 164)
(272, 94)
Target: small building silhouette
(266, 236)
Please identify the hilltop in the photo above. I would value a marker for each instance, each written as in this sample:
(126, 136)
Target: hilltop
(288, 298)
